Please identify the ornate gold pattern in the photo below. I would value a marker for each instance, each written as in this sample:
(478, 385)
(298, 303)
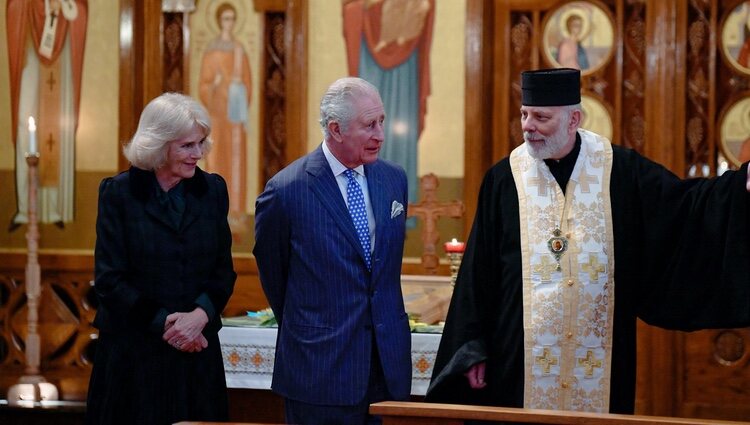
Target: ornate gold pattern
(546, 361)
(567, 311)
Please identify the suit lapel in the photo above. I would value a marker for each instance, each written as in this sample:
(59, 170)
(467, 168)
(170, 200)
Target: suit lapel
(381, 211)
(324, 185)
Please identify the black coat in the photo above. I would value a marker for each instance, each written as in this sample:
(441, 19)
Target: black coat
(147, 267)
(681, 254)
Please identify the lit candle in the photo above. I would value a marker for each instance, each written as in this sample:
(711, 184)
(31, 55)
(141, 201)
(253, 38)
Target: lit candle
(454, 247)
(32, 135)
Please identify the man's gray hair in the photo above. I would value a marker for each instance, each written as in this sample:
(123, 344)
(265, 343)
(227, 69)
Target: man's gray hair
(568, 110)
(338, 101)
(169, 117)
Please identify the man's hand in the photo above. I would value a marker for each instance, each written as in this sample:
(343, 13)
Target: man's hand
(195, 345)
(475, 375)
(183, 330)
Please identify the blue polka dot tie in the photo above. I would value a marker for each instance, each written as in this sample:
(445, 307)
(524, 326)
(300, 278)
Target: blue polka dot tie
(357, 210)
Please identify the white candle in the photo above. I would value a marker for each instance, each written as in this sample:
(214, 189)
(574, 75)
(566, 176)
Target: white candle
(32, 135)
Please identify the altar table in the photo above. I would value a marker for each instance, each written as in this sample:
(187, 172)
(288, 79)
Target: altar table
(249, 353)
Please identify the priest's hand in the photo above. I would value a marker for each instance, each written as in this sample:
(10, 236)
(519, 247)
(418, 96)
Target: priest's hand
(182, 329)
(475, 375)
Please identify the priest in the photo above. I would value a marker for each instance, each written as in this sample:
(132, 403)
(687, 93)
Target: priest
(573, 240)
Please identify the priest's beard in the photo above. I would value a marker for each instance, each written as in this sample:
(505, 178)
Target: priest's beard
(552, 145)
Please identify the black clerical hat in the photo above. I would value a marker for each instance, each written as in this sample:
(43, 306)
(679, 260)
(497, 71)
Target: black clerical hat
(551, 87)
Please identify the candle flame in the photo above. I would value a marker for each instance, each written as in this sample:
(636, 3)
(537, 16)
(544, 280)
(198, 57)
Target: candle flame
(454, 240)
(32, 124)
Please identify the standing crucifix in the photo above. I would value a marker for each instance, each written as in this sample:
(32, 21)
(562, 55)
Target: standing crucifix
(429, 210)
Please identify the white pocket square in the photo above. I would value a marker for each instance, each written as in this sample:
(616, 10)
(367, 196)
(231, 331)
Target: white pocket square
(396, 209)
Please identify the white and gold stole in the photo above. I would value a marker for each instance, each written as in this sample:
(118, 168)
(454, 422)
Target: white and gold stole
(568, 279)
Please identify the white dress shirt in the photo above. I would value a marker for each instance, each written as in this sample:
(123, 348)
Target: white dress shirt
(359, 172)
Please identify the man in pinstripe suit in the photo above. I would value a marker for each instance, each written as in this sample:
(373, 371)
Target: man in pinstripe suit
(343, 339)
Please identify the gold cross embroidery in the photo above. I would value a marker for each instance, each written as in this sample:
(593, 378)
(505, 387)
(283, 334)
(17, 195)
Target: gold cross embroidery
(540, 183)
(593, 267)
(585, 179)
(546, 361)
(589, 363)
(545, 269)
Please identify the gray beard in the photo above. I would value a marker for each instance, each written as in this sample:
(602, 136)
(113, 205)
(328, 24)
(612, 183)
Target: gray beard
(550, 148)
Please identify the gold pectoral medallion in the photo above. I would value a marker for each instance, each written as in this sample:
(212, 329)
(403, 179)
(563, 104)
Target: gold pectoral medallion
(557, 245)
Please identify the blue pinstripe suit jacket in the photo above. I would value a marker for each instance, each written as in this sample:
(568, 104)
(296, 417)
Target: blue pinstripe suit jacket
(330, 308)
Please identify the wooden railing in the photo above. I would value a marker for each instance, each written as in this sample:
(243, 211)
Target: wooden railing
(401, 413)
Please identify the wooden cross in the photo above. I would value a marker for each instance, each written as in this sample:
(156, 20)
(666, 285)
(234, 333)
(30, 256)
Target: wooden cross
(51, 81)
(429, 210)
(50, 142)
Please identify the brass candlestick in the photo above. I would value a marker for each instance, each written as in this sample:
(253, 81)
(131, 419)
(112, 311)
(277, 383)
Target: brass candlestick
(455, 263)
(32, 388)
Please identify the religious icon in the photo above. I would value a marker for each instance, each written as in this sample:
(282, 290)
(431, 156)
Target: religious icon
(46, 43)
(735, 38)
(557, 245)
(578, 35)
(388, 44)
(734, 141)
(222, 36)
(596, 116)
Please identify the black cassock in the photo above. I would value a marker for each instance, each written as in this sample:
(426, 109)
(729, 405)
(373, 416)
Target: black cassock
(682, 261)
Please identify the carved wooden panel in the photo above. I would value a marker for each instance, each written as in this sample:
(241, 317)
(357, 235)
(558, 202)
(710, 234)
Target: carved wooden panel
(715, 374)
(633, 83)
(67, 306)
(523, 53)
(174, 58)
(699, 130)
(273, 135)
